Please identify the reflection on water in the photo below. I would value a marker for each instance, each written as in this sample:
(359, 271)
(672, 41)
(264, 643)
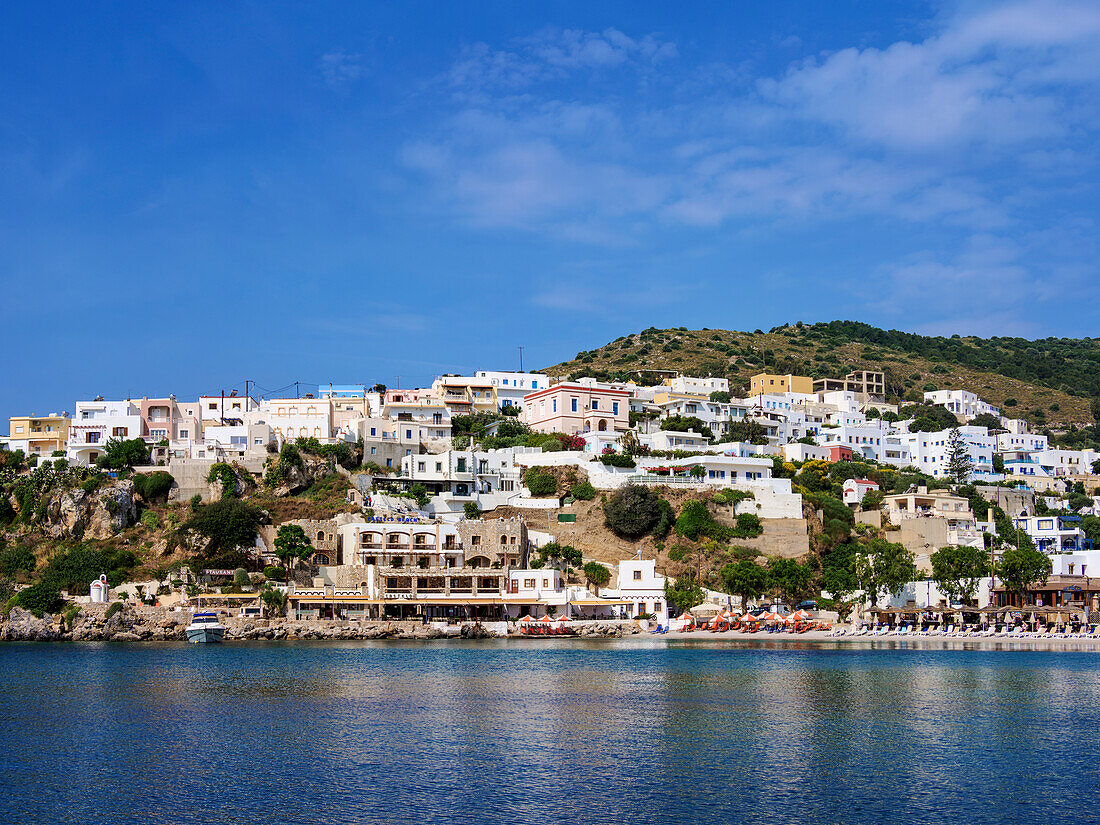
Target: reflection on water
(650, 731)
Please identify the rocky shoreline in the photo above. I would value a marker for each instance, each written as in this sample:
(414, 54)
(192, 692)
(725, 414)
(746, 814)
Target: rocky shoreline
(130, 624)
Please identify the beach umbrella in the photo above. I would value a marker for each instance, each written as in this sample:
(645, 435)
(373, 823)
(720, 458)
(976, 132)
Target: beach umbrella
(526, 619)
(799, 616)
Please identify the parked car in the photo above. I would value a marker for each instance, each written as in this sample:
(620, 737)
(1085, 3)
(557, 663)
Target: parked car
(809, 604)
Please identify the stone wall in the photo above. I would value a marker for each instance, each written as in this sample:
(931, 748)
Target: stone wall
(488, 534)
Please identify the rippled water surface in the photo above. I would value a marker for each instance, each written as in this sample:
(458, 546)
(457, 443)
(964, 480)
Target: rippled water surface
(549, 731)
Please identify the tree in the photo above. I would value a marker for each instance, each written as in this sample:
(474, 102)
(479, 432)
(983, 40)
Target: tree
(746, 579)
(118, 454)
(683, 423)
(998, 463)
(959, 463)
(751, 432)
(471, 511)
(597, 574)
(632, 511)
(883, 568)
(1019, 568)
(1096, 467)
(720, 397)
(420, 493)
(789, 579)
(987, 420)
(683, 593)
(1094, 408)
(958, 570)
(274, 601)
(229, 524)
(291, 544)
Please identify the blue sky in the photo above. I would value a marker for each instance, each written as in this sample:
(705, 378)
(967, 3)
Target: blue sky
(192, 194)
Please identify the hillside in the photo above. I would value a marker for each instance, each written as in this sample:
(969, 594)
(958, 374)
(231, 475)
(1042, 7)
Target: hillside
(1048, 382)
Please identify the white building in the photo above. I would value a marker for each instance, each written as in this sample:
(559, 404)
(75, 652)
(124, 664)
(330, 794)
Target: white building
(1053, 533)
(962, 403)
(930, 452)
(96, 422)
(642, 588)
(855, 489)
(512, 386)
(292, 418)
(698, 386)
(226, 408)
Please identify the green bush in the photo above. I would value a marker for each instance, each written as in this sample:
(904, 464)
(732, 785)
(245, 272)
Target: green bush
(618, 460)
(17, 559)
(114, 608)
(43, 597)
(678, 552)
(153, 486)
(150, 519)
(584, 491)
(695, 521)
(748, 526)
(275, 573)
(730, 496)
(540, 482)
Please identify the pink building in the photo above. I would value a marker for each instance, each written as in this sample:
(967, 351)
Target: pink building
(574, 408)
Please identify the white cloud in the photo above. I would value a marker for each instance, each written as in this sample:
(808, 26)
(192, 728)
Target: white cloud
(339, 67)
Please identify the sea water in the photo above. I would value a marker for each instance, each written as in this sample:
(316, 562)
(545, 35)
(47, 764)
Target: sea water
(647, 731)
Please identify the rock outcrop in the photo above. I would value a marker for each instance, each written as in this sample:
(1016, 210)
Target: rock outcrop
(76, 513)
(295, 478)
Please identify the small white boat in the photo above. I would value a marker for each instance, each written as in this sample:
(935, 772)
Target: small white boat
(205, 628)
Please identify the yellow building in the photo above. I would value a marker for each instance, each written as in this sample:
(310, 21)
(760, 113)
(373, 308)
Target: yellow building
(38, 435)
(765, 383)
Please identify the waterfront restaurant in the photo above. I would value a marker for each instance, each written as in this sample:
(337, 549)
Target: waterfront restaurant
(1071, 592)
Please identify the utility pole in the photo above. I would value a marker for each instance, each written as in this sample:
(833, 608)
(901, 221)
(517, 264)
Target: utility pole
(520, 358)
(297, 394)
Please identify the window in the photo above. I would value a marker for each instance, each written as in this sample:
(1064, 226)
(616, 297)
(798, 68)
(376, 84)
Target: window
(637, 575)
(408, 433)
(91, 438)
(546, 582)
(373, 431)
(529, 584)
(119, 431)
(389, 462)
(595, 403)
(1046, 524)
(183, 433)
(573, 404)
(420, 467)
(615, 407)
(475, 541)
(19, 429)
(213, 406)
(555, 402)
(240, 440)
(374, 451)
(439, 466)
(158, 434)
(461, 465)
(534, 385)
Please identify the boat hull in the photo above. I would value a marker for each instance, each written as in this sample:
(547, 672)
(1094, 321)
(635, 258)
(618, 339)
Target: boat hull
(205, 635)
